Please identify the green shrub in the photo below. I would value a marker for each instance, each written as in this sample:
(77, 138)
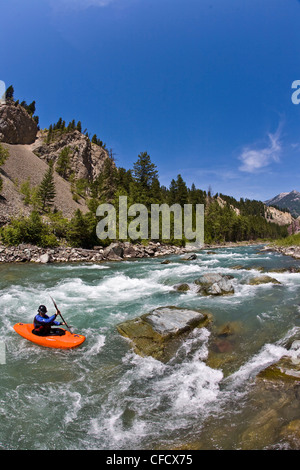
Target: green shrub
(289, 241)
(28, 230)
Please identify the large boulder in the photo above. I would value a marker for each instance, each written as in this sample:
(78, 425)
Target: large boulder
(45, 258)
(215, 284)
(130, 251)
(16, 125)
(160, 332)
(114, 251)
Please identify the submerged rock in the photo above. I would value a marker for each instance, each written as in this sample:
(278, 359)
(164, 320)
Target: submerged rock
(160, 333)
(275, 394)
(189, 256)
(225, 342)
(291, 269)
(255, 281)
(287, 369)
(182, 287)
(290, 433)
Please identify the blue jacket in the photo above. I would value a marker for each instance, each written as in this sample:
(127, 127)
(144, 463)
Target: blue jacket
(45, 320)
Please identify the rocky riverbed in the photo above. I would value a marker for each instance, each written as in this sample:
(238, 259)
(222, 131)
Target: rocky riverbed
(114, 252)
(293, 250)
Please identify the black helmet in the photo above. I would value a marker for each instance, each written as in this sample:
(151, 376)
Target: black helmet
(42, 309)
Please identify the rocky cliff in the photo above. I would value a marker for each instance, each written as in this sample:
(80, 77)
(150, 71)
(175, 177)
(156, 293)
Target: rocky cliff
(278, 217)
(86, 159)
(16, 125)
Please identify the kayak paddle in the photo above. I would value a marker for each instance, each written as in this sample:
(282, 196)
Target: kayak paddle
(60, 313)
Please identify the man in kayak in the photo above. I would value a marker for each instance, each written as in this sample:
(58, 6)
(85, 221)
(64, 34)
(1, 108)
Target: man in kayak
(42, 323)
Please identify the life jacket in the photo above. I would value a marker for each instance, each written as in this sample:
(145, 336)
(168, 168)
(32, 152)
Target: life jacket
(41, 327)
(44, 329)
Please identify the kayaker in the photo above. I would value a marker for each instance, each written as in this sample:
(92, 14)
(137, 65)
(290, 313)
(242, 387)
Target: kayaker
(42, 323)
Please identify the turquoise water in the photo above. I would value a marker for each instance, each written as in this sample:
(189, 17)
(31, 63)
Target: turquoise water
(102, 395)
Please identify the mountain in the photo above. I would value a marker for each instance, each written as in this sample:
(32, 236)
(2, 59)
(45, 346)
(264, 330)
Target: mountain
(289, 201)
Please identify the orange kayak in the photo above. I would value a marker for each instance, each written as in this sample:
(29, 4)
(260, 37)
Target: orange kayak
(67, 341)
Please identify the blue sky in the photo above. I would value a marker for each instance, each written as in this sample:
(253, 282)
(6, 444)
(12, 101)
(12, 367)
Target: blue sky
(204, 86)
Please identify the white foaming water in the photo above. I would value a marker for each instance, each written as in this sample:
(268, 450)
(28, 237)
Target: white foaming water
(269, 354)
(75, 267)
(110, 289)
(157, 395)
(176, 271)
(96, 343)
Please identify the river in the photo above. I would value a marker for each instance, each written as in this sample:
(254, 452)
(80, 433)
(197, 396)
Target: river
(102, 395)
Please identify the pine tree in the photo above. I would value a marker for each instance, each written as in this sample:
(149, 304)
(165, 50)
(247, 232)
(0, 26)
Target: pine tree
(10, 93)
(182, 191)
(109, 179)
(50, 133)
(63, 162)
(144, 171)
(31, 108)
(46, 190)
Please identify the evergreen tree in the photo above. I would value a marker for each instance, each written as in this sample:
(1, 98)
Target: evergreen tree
(109, 180)
(144, 171)
(81, 230)
(58, 125)
(10, 93)
(124, 179)
(178, 192)
(46, 190)
(50, 134)
(31, 108)
(181, 190)
(37, 120)
(172, 192)
(94, 139)
(63, 166)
